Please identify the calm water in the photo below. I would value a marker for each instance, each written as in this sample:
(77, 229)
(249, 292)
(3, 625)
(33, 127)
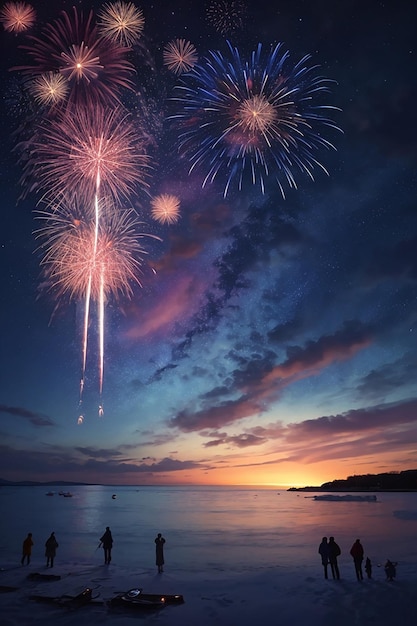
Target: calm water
(205, 527)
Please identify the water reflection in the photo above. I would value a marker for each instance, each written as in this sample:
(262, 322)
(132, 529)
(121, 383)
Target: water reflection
(219, 527)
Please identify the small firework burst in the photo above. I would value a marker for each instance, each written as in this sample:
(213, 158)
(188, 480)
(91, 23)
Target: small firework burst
(122, 22)
(226, 16)
(49, 88)
(80, 63)
(165, 208)
(17, 16)
(180, 56)
(256, 114)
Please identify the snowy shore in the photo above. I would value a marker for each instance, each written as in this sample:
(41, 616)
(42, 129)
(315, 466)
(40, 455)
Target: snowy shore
(279, 595)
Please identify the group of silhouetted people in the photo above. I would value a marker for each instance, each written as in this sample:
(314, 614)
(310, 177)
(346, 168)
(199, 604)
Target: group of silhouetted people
(329, 550)
(51, 545)
(106, 542)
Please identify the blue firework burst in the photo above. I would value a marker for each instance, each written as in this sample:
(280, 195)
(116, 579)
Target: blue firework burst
(253, 119)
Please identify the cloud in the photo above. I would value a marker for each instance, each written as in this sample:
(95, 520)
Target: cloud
(215, 417)
(98, 453)
(177, 305)
(36, 419)
(315, 355)
(60, 463)
(375, 431)
(258, 381)
(389, 377)
(115, 467)
(251, 243)
(392, 416)
(244, 440)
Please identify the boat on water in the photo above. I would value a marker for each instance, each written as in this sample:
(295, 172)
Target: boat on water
(66, 494)
(50, 493)
(331, 497)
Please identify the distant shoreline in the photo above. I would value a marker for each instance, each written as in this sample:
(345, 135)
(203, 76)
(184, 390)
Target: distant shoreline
(347, 490)
(405, 481)
(33, 483)
(395, 482)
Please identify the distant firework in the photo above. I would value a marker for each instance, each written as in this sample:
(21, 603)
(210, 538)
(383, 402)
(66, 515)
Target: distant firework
(252, 119)
(180, 56)
(17, 16)
(165, 208)
(84, 146)
(226, 16)
(96, 68)
(122, 22)
(50, 88)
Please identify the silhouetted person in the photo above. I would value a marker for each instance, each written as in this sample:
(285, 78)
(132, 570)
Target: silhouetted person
(107, 542)
(159, 543)
(368, 567)
(356, 552)
(390, 570)
(50, 549)
(334, 552)
(27, 549)
(324, 553)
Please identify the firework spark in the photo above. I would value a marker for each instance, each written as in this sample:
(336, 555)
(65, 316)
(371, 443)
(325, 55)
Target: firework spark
(17, 16)
(97, 69)
(122, 22)
(84, 147)
(253, 119)
(226, 16)
(180, 56)
(165, 208)
(49, 88)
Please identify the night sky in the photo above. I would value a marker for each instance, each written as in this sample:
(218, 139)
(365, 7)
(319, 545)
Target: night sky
(273, 340)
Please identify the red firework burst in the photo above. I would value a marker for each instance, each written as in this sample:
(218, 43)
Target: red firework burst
(17, 16)
(97, 69)
(79, 257)
(87, 151)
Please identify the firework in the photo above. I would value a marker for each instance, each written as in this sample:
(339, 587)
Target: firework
(91, 260)
(86, 148)
(17, 16)
(165, 208)
(122, 22)
(180, 56)
(253, 119)
(50, 88)
(81, 64)
(226, 16)
(74, 250)
(96, 68)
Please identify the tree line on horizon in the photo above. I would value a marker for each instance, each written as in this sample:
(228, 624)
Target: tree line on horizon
(387, 481)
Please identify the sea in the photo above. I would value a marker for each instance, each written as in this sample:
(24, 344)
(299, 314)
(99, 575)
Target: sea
(210, 528)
